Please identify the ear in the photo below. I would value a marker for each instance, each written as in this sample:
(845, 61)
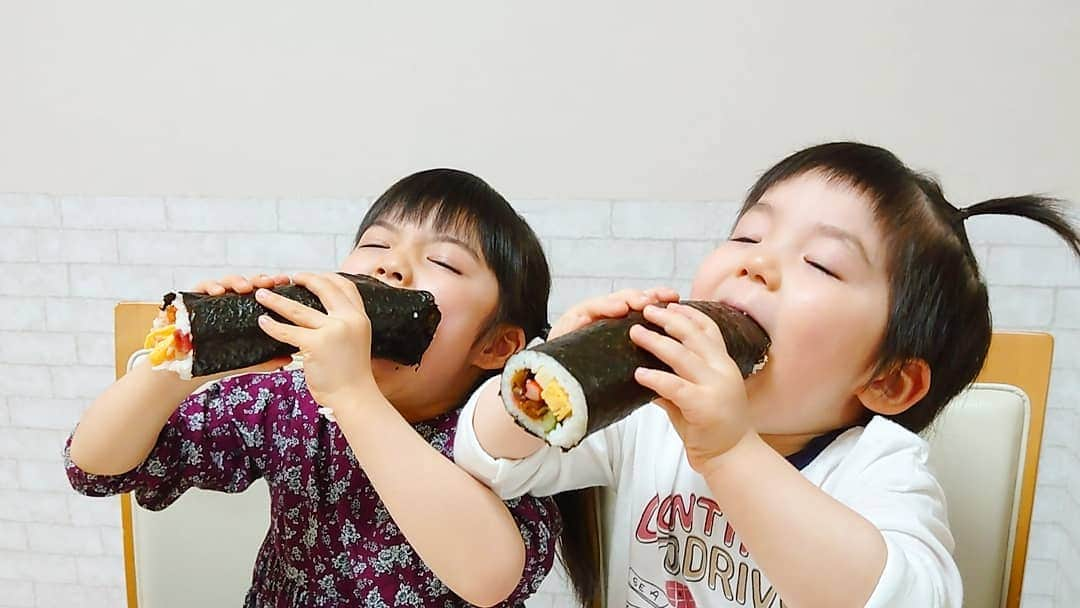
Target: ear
(896, 390)
(503, 341)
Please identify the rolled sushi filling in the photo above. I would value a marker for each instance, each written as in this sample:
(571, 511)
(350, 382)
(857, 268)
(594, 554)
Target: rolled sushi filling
(169, 340)
(547, 403)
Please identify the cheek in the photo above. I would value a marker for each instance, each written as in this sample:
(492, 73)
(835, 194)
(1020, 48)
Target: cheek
(711, 272)
(833, 332)
(464, 311)
(353, 263)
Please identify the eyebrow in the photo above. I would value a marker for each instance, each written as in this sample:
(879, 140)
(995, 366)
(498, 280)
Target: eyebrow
(761, 206)
(441, 237)
(828, 230)
(844, 236)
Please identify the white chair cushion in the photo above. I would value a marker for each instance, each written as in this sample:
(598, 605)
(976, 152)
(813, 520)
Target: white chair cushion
(977, 453)
(201, 549)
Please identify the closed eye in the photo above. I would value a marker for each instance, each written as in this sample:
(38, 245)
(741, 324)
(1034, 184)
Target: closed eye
(445, 265)
(822, 269)
(373, 246)
(744, 239)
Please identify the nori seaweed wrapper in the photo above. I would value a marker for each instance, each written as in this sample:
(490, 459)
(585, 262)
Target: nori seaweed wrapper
(225, 333)
(602, 358)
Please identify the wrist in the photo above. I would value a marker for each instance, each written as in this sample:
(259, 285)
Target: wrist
(736, 458)
(167, 383)
(355, 398)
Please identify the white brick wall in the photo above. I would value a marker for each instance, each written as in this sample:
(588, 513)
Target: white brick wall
(225, 217)
(321, 216)
(615, 258)
(31, 313)
(578, 219)
(166, 248)
(296, 250)
(112, 212)
(89, 246)
(66, 261)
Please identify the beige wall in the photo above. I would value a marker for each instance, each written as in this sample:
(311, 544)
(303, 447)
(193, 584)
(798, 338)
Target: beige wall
(656, 100)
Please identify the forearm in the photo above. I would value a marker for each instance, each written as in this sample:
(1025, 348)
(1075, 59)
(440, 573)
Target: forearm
(496, 430)
(119, 429)
(443, 512)
(813, 548)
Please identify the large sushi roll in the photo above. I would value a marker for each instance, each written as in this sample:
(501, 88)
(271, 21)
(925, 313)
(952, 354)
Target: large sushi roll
(579, 383)
(196, 334)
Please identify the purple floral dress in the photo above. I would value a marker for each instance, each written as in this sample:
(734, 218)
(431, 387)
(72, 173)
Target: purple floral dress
(331, 540)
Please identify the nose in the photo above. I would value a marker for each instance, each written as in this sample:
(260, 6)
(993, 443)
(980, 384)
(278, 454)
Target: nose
(761, 267)
(393, 269)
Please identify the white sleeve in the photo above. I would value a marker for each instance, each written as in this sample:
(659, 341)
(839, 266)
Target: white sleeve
(900, 496)
(547, 471)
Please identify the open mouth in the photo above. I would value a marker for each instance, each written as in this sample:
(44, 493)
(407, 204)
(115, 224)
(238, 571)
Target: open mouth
(743, 309)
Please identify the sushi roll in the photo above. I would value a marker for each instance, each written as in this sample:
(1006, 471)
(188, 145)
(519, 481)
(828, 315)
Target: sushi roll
(579, 383)
(197, 335)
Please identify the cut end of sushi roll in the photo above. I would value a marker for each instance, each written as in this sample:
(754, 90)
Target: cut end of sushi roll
(169, 340)
(545, 399)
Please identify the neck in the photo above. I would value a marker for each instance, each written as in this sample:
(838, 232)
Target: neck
(421, 412)
(417, 402)
(853, 413)
(786, 445)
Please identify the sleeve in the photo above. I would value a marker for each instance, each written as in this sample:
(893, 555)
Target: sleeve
(547, 471)
(898, 493)
(215, 440)
(539, 522)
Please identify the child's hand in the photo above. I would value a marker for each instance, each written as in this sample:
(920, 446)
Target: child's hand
(706, 396)
(336, 345)
(239, 284)
(614, 306)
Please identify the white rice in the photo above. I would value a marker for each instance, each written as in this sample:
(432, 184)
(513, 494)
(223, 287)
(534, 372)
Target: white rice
(760, 365)
(183, 323)
(546, 368)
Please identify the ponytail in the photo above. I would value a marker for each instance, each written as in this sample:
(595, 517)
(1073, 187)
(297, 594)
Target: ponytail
(1049, 212)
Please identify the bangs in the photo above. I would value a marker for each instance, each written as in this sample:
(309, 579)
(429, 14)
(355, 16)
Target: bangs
(454, 218)
(447, 201)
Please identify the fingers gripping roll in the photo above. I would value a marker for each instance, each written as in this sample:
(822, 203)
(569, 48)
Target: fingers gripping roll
(579, 383)
(196, 334)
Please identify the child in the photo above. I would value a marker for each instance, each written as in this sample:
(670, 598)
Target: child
(370, 510)
(805, 485)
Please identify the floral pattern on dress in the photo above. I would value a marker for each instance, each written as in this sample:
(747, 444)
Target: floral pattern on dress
(331, 540)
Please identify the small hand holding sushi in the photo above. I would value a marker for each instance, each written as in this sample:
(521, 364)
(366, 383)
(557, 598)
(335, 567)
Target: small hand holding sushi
(336, 345)
(612, 306)
(705, 397)
(239, 284)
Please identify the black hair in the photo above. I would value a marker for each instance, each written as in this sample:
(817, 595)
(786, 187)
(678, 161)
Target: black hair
(939, 309)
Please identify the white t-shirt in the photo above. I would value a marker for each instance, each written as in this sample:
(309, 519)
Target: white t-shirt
(669, 544)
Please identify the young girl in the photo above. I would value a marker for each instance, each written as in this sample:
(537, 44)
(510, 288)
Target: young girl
(368, 510)
(805, 485)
